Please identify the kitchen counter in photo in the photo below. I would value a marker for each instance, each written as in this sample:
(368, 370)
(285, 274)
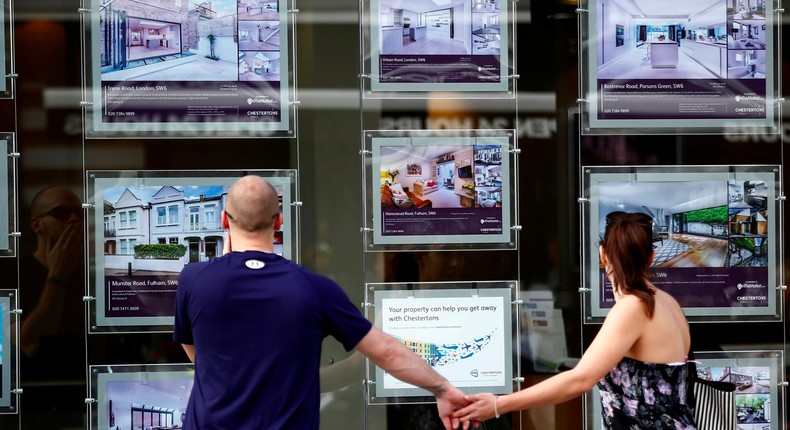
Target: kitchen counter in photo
(391, 39)
(712, 56)
(664, 54)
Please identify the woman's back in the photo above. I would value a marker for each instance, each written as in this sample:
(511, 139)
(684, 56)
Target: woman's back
(665, 337)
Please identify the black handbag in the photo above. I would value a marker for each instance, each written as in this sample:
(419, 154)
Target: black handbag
(713, 402)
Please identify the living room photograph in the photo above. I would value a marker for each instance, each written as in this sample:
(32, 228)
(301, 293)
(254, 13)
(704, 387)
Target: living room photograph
(266, 10)
(439, 27)
(690, 219)
(259, 66)
(423, 176)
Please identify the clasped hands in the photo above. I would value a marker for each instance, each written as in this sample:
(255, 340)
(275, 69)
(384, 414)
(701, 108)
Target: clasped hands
(459, 411)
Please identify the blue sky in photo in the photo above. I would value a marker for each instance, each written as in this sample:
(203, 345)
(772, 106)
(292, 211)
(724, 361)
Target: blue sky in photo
(145, 193)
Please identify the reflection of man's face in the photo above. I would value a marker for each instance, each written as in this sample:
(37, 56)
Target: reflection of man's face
(54, 209)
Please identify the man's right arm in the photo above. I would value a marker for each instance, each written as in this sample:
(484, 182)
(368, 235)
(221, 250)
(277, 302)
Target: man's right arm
(392, 356)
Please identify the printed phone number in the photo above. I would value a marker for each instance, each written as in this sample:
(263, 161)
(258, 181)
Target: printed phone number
(125, 308)
(120, 114)
(616, 110)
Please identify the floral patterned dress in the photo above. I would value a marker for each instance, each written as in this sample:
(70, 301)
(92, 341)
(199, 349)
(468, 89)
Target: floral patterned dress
(636, 395)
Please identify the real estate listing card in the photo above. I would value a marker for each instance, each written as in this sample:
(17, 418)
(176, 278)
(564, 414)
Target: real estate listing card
(6, 197)
(463, 331)
(680, 64)
(756, 376)
(184, 67)
(714, 232)
(6, 351)
(147, 229)
(441, 190)
(137, 397)
(439, 45)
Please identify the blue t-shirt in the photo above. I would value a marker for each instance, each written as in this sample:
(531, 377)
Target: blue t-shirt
(257, 322)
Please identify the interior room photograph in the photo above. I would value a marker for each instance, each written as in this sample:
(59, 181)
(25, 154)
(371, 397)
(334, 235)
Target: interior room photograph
(259, 66)
(259, 35)
(439, 27)
(267, 10)
(678, 39)
(691, 221)
(439, 177)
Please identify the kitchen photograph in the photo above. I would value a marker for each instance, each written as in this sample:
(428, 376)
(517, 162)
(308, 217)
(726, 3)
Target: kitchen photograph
(678, 39)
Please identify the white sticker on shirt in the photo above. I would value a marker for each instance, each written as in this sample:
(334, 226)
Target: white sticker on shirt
(254, 264)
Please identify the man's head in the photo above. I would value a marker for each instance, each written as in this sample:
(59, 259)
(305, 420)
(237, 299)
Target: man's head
(52, 209)
(252, 205)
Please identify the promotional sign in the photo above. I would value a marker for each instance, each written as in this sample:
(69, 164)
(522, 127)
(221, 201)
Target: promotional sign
(677, 64)
(441, 190)
(135, 397)
(714, 235)
(450, 45)
(219, 66)
(148, 230)
(463, 333)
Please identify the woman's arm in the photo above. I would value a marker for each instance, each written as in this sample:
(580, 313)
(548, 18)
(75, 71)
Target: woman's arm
(621, 329)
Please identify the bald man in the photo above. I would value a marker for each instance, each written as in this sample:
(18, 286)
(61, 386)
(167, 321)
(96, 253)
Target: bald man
(253, 324)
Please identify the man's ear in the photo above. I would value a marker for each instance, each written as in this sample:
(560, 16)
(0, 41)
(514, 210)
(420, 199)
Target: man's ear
(278, 222)
(225, 223)
(35, 225)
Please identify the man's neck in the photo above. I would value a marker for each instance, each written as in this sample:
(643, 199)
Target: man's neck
(265, 244)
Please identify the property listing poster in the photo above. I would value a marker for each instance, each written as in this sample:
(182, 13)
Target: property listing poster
(681, 63)
(4, 53)
(147, 231)
(463, 336)
(451, 190)
(5, 196)
(5, 351)
(448, 45)
(756, 378)
(714, 236)
(166, 66)
(134, 399)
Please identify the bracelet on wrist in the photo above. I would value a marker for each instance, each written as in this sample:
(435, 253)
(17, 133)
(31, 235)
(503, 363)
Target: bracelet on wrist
(496, 410)
(56, 281)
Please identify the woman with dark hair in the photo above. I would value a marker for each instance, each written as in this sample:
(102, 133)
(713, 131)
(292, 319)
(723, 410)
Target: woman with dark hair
(638, 359)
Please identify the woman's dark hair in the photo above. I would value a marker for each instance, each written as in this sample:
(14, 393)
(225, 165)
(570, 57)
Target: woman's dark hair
(628, 244)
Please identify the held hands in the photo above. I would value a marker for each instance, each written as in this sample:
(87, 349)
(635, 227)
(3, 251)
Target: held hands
(449, 402)
(481, 407)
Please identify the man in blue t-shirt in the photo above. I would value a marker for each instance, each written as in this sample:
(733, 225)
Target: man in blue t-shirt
(253, 324)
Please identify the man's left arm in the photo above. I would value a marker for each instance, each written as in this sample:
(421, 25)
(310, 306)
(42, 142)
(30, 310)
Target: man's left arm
(392, 356)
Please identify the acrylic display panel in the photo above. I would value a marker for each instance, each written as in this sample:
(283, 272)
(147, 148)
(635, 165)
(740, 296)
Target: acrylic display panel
(716, 236)
(440, 189)
(6, 50)
(679, 67)
(447, 49)
(464, 330)
(759, 402)
(147, 225)
(139, 396)
(8, 352)
(216, 69)
(8, 199)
